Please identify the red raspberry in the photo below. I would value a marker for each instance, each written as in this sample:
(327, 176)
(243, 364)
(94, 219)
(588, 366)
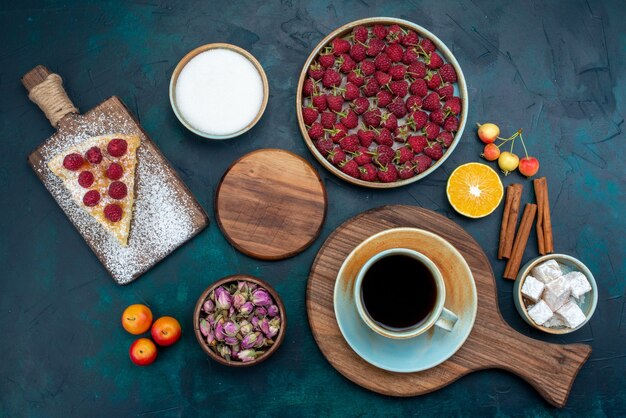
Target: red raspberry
(347, 64)
(383, 98)
(328, 119)
(118, 190)
(401, 133)
(340, 46)
(410, 39)
(337, 132)
(358, 52)
(356, 78)
(380, 31)
(397, 72)
(434, 82)
(114, 171)
(316, 71)
(384, 137)
(366, 137)
(319, 102)
(351, 91)
(316, 131)
(362, 156)
(427, 45)
(85, 179)
(372, 118)
(395, 52)
(422, 162)
(331, 78)
(388, 173)
(350, 143)
(413, 103)
(431, 130)
(448, 73)
(375, 47)
(398, 107)
(419, 88)
(431, 102)
(335, 101)
(360, 34)
(73, 161)
(399, 88)
(410, 56)
(390, 121)
(368, 67)
(451, 124)
(337, 156)
(437, 116)
(453, 105)
(445, 138)
(368, 172)
(117, 147)
(417, 143)
(382, 62)
(350, 168)
(371, 87)
(434, 61)
(327, 59)
(324, 146)
(406, 171)
(91, 198)
(309, 115)
(113, 212)
(94, 155)
(382, 78)
(434, 151)
(417, 120)
(416, 70)
(384, 154)
(446, 91)
(395, 34)
(403, 154)
(360, 105)
(309, 87)
(349, 119)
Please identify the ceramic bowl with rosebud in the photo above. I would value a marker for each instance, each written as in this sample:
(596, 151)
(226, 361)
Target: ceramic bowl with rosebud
(239, 321)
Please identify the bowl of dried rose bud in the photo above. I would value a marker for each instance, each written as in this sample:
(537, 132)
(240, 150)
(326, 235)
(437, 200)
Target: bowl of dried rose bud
(240, 320)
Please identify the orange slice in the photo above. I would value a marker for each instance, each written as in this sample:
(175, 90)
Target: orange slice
(474, 190)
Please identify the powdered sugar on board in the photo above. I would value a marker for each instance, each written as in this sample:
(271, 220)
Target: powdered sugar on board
(165, 213)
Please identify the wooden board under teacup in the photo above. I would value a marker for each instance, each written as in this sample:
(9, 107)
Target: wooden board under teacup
(166, 215)
(549, 368)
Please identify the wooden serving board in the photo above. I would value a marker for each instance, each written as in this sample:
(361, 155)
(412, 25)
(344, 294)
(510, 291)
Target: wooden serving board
(270, 204)
(165, 214)
(549, 368)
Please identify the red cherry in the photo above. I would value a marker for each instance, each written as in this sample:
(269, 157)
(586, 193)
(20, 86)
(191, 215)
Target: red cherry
(118, 190)
(94, 155)
(73, 161)
(114, 171)
(85, 179)
(117, 147)
(91, 198)
(113, 212)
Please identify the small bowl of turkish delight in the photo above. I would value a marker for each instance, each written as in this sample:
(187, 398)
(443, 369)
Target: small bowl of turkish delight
(555, 293)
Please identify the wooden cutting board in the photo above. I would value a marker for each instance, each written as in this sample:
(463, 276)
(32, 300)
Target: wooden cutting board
(270, 204)
(549, 368)
(165, 214)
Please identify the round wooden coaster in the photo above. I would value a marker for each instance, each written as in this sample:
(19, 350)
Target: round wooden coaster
(270, 204)
(549, 368)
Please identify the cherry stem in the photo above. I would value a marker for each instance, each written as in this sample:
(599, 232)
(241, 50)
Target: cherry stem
(524, 145)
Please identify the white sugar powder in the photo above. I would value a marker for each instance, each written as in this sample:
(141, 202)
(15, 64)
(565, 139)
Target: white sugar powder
(219, 92)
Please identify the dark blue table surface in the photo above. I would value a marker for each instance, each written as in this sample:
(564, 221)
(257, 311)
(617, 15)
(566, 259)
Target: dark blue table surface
(553, 68)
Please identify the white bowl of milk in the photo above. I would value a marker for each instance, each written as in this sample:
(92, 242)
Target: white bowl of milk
(219, 91)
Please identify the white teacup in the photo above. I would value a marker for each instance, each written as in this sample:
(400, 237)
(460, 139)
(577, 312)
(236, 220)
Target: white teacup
(439, 316)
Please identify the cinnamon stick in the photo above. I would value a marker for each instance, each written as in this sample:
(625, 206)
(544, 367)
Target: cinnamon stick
(513, 265)
(539, 197)
(547, 221)
(507, 231)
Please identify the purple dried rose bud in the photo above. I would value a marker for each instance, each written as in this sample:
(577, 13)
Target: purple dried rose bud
(249, 340)
(274, 326)
(264, 324)
(255, 322)
(204, 327)
(260, 311)
(231, 311)
(260, 297)
(252, 286)
(210, 339)
(219, 331)
(246, 308)
(230, 328)
(224, 351)
(248, 355)
(211, 319)
(231, 340)
(223, 300)
(260, 341)
(245, 327)
(208, 306)
(242, 286)
(238, 300)
(272, 311)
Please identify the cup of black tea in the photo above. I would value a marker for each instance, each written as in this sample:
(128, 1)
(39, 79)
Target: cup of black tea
(400, 293)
